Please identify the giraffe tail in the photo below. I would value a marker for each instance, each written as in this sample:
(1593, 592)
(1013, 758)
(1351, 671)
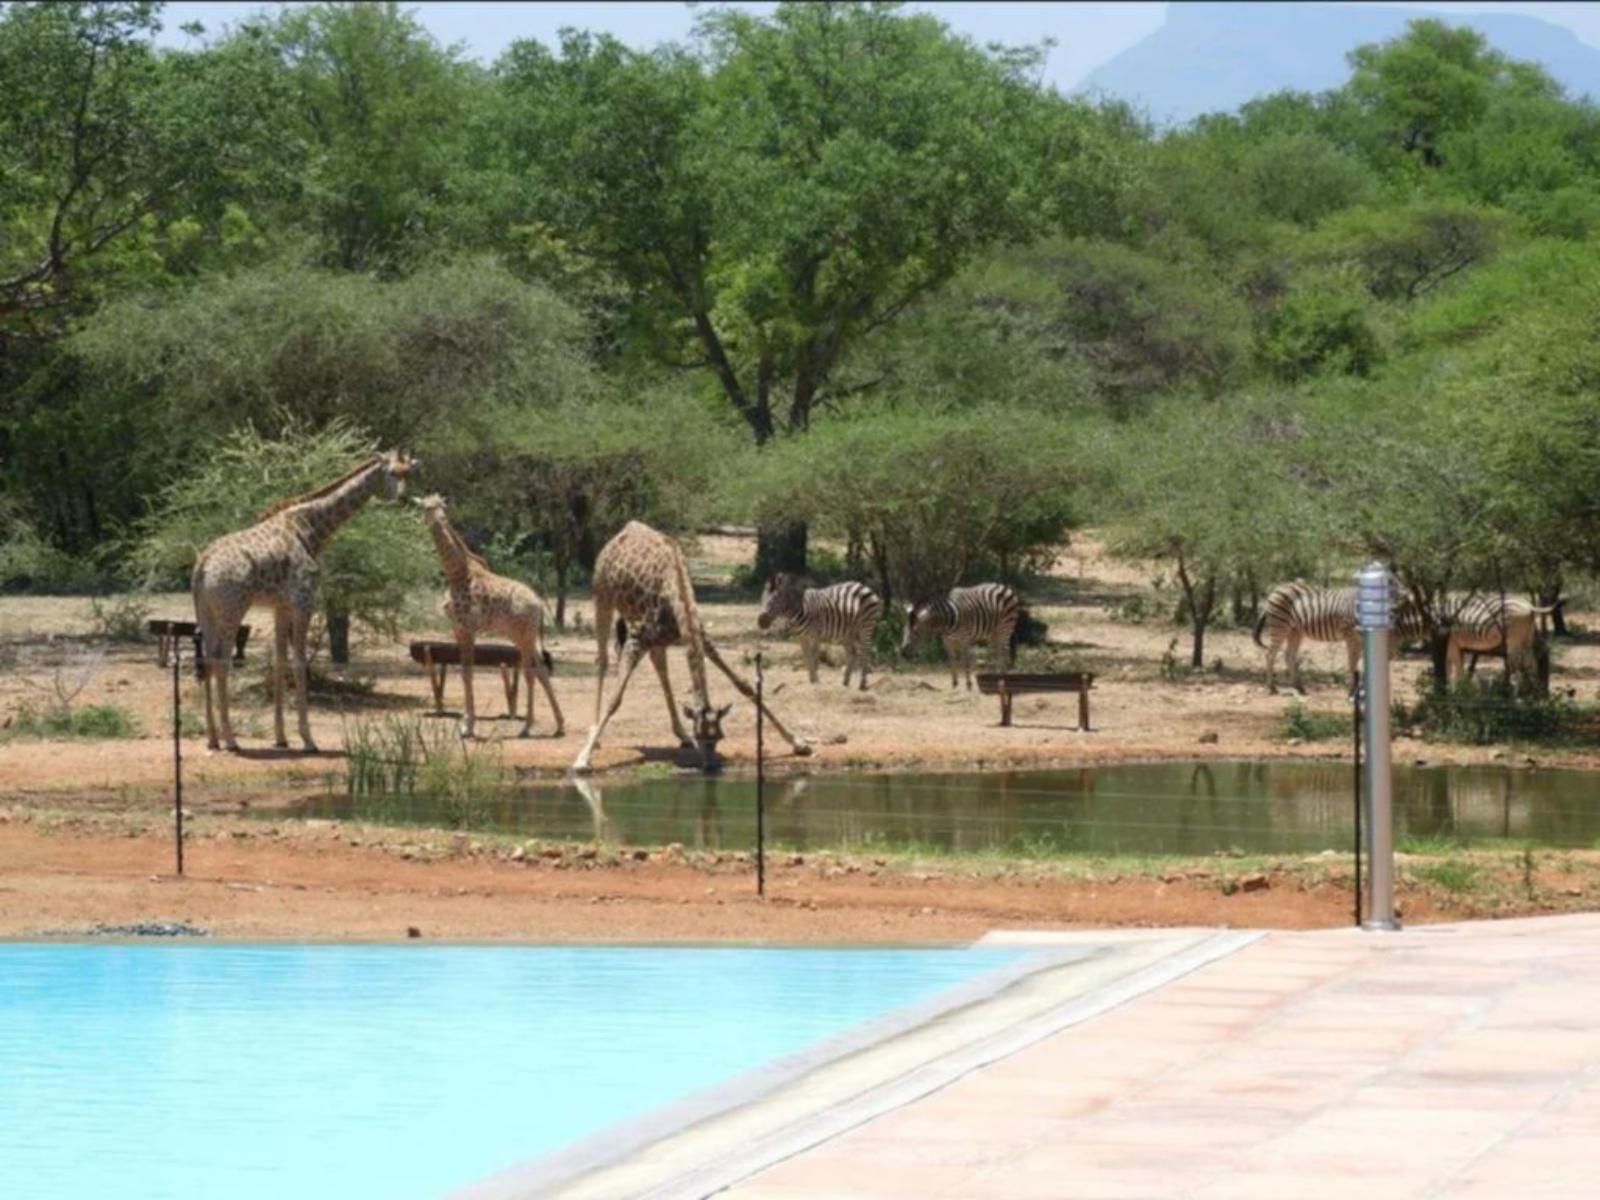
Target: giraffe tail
(622, 634)
(549, 662)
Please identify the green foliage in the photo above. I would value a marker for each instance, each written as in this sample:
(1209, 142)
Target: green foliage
(120, 618)
(85, 721)
(1453, 874)
(937, 500)
(1300, 722)
(372, 564)
(1323, 325)
(1432, 82)
(796, 185)
(400, 761)
(1487, 710)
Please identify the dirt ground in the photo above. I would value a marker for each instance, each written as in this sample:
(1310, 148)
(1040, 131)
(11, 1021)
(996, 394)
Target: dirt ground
(74, 850)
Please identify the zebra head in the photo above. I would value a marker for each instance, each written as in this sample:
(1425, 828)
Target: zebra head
(780, 600)
(913, 630)
(707, 723)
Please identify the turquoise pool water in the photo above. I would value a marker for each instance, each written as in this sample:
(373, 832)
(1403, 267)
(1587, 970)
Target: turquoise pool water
(145, 1072)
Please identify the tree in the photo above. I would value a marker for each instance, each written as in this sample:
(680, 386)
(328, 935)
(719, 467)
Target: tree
(381, 111)
(108, 135)
(444, 362)
(787, 191)
(931, 500)
(1211, 492)
(1434, 81)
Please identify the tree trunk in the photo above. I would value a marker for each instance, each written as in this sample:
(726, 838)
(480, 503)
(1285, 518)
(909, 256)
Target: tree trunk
(338, 636)
(561, 594)
(1199, 602)
(780, 548)
(1549, 594)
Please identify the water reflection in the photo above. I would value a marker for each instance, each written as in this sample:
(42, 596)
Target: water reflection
(1163, 808)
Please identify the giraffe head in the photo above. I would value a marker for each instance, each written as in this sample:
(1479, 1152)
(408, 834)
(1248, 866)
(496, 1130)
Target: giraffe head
(707, 723)
(780, 600)
(433, 506)
(397, 464)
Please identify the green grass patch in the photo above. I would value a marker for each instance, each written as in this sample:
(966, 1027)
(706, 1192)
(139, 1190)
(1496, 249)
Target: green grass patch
(1452, 874)
(87, 721)
(1300, 722)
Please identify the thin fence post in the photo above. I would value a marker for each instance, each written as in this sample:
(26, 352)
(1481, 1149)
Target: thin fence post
(177, 751)
(1355, 724)
(761, 789)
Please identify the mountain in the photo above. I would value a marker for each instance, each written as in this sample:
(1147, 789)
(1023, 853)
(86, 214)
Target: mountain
(1215, 56)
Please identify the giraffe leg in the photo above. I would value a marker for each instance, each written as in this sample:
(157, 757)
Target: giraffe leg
(302, 624)
(630, 660)
(603, 617)
(542, 673)
(469, 711)
(280, 656)
(799, 745)
(658, 660)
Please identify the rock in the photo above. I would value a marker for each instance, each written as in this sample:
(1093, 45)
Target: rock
(641, 855)
(1296, 742)
(1497, 756)
(518, 853)
(796, 860)
(1210, 738)
(1254, 883)
(551, 852)
(413, 932)
(1574, 891)
(588, 854)
(837, 739)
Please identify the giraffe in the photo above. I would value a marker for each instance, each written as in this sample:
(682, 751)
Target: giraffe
(641, 577)
(274, 563)
(480, 601)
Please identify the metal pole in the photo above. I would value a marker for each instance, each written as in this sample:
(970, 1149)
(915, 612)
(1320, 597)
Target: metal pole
(1355, 725)
(761, 789)
(177, 754)
(1373, 616)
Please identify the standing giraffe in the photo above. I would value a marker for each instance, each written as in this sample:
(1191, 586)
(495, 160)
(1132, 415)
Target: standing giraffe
(641, 577)
(274, 562)
(482, 602)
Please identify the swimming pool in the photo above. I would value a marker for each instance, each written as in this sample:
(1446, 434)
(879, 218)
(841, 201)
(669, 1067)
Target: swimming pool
(246, 1071)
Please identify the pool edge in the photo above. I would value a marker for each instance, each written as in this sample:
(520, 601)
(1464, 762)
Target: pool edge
(714, 1138)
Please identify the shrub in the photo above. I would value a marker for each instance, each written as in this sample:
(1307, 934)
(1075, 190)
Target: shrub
(89, 721)
(1300, 722)
(1481, 711)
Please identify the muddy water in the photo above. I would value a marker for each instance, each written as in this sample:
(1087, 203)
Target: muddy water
(1161, 808)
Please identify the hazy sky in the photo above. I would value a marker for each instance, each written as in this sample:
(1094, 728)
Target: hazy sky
(1086, 34)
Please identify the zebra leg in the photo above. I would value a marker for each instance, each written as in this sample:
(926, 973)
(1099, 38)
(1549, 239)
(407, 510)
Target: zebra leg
(950, 653)
(1272, 664)
(812, 649)
(1292, 658)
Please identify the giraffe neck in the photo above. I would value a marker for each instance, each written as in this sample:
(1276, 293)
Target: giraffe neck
(319, 518)
(452, 553)
(689, 627)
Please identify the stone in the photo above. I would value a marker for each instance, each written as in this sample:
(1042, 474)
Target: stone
(518, 853)
(413, 932)
(1254, 883)
(1210, 738)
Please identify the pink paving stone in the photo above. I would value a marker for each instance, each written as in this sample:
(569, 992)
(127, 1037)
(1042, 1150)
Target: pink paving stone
(1452, 1063)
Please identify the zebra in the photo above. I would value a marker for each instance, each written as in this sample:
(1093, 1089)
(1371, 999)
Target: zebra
(986, 612)
(846, 613)
(1493, 624)
(1294, 612)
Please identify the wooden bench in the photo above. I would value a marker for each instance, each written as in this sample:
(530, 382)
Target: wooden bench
(1009, 684)
(168, 632)
(435, 657)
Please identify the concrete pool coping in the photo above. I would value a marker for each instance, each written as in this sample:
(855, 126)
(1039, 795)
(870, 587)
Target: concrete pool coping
(721, 1135)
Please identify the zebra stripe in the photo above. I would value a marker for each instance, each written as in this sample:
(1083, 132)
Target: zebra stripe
(845, 613)
(986, 612)
(1296, 612)
(1493, 624)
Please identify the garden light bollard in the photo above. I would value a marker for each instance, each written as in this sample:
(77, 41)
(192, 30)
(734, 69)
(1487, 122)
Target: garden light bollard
(1373, 607)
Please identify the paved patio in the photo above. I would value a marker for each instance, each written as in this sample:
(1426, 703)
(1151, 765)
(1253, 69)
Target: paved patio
(1458, 1061)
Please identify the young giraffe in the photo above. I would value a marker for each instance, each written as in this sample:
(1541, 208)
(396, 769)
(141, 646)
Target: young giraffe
(482, 602)
(274, 562)
(641, 577)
